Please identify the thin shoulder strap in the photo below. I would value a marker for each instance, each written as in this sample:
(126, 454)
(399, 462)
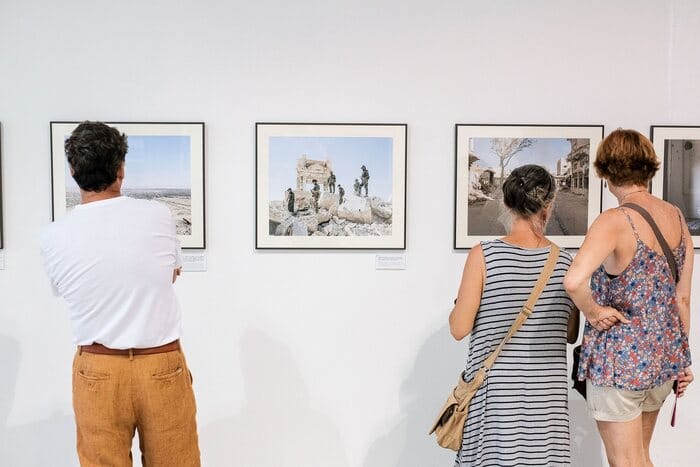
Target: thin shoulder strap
(529, 304)
(662, 241)
(629, 219)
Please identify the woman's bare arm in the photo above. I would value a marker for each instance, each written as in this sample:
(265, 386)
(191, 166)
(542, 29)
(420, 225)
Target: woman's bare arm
(599, 243)
(469, 296)
(686, 279)
(685, 377)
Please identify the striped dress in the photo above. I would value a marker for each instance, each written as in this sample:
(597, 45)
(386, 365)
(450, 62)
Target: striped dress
(519, 416)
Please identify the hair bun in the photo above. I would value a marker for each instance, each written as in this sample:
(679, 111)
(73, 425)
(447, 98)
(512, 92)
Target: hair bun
(528, 189)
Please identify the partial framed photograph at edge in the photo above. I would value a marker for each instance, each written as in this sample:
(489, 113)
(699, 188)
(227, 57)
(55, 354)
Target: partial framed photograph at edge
(678, 178)
(1, 199)
(487, 154)
(165, 162)
(330, 186)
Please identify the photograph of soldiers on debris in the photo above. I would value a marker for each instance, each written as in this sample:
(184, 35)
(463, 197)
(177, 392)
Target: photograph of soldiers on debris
(682, 180)
(330, 186)
(491, 160)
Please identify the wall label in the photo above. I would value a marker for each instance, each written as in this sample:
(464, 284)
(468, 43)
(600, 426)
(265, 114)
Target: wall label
(395, 261)
(194, 261)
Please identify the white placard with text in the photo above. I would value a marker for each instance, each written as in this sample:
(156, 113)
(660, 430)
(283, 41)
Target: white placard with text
(395, 261)
(194, 261)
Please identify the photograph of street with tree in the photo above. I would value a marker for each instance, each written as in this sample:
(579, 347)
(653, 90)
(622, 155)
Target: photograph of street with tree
(486, 158)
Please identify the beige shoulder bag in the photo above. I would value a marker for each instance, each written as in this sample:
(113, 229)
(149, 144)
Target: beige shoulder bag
(449, 424)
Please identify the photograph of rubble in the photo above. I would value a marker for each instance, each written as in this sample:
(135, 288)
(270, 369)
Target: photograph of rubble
(486, 155)
(678, 179)
(164, 163)
(339, 186)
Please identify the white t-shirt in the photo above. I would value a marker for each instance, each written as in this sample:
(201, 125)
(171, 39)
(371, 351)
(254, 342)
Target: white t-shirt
(113, 262)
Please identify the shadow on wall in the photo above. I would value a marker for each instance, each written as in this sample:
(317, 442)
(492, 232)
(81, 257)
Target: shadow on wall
(277, 427)
(586, 446)
(39, 444)
(436, 370)
(438, 365)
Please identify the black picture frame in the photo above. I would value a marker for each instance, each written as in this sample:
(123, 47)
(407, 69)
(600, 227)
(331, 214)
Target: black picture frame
(675, 146)
(196, 239)
(2, 199)
(266, 239)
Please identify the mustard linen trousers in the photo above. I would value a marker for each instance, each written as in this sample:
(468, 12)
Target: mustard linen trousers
(114, 395)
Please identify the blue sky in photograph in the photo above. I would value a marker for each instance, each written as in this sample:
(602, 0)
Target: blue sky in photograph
(153, 162)
(544, 151)
(347, 155)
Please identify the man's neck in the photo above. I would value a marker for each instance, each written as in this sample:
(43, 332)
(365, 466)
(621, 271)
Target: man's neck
(92, 196)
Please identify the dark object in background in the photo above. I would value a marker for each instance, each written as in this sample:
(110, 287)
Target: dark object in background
(579, 386)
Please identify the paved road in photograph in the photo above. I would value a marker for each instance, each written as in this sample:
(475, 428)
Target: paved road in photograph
(570, 216)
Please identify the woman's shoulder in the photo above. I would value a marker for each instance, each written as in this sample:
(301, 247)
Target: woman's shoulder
(613, 221)
(486, 246)
(665, 214)
(670, 209)
(652, 204)
(501, 249)
(496, 246)
(491, 249)
(566, 255)
(613, 214)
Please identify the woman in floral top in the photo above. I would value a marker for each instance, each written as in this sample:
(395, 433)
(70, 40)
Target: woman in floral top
(635, 341)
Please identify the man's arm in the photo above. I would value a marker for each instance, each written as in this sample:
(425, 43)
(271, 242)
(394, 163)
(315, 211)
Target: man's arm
(177, 250)
(43, 250)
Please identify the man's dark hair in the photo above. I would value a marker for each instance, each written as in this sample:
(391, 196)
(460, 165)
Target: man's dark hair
(95, 152)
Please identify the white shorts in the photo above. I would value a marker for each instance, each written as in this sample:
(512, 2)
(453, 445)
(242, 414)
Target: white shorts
(608, 404)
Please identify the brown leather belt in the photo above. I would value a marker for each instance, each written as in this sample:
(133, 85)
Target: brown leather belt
(101, 349)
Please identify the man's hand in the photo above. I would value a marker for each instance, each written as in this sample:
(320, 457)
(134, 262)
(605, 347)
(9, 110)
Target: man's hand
(176, 272)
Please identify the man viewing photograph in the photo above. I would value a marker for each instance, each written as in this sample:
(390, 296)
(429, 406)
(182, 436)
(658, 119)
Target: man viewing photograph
(114, 260)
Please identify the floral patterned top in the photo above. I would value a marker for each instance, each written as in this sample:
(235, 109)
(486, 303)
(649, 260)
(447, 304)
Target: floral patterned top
(653, 347)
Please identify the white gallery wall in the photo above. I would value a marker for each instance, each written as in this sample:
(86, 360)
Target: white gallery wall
(313, 358)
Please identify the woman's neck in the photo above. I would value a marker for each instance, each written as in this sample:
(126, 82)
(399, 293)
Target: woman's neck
(523, 234)
(631, 193)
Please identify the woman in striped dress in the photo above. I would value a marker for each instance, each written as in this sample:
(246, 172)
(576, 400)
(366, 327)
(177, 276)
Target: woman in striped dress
(519, 416)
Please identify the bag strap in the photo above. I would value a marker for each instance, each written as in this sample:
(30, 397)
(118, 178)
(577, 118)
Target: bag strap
(675, 405)
(659, 237)
(529, 304)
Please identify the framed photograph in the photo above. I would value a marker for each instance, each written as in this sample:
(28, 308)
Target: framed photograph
(1, 200)
(165, 162)
(678, 178)
(330, 186)
(486, 154)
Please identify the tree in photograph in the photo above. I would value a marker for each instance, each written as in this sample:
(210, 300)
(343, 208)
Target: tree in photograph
(506, 148)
